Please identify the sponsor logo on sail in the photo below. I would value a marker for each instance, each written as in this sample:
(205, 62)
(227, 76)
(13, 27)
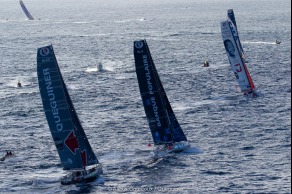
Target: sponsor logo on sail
(226, 33)
(233, 30)
(44, 52)
(238, 69)
(150, 90)
(52, 99)
(155, 110)
(139, 44)
(71, 142)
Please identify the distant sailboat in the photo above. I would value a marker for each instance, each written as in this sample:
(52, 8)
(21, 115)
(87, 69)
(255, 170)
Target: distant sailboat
(75, 152)
(19, 84)
(28, 15)
(278, 42)
(8, 154)
(232, 23)
(167, 134)
(236, 61)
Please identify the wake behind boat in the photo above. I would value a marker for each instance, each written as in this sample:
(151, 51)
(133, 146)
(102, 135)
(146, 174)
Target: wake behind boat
(99, 67)
(74, 150)
(278, 42)
(19, 84)
(167, 134)
(8, 155)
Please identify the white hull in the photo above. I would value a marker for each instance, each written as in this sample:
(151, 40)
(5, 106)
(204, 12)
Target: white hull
(165, 150)
(84, 176)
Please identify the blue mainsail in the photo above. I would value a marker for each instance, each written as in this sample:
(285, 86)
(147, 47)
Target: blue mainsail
(28, 15)
(231, 16)
(71, 142)
(232, 23)
(161, 118)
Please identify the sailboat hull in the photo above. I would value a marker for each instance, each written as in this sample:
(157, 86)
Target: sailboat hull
(251, 94)
(165, 150)
(82, 177)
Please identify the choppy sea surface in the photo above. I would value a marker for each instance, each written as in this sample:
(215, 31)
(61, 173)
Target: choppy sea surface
(238, 145)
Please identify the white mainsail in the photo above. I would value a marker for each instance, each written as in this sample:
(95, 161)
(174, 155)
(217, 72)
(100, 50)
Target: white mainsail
(236, 61)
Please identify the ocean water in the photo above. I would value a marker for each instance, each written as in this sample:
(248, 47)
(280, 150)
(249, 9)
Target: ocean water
(238, 145)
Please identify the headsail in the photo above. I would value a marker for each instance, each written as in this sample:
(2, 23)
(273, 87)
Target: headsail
(232, 23)
(28, 15)
(72, 145)
(177, 132)
(237, 64)
(231, 16)
(161, 119)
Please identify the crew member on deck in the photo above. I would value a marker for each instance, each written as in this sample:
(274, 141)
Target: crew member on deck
(8, 154)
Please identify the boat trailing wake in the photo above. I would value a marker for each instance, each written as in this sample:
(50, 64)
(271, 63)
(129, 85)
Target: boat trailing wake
(259, 42)
(193, 150)
(102, 67)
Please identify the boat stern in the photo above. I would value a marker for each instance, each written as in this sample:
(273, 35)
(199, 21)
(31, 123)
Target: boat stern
(84, 176)
(166, 150)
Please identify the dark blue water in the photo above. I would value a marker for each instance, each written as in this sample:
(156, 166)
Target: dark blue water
(239, 145)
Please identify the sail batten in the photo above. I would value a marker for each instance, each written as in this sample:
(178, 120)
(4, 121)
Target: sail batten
(71, 142)
(156, 105)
